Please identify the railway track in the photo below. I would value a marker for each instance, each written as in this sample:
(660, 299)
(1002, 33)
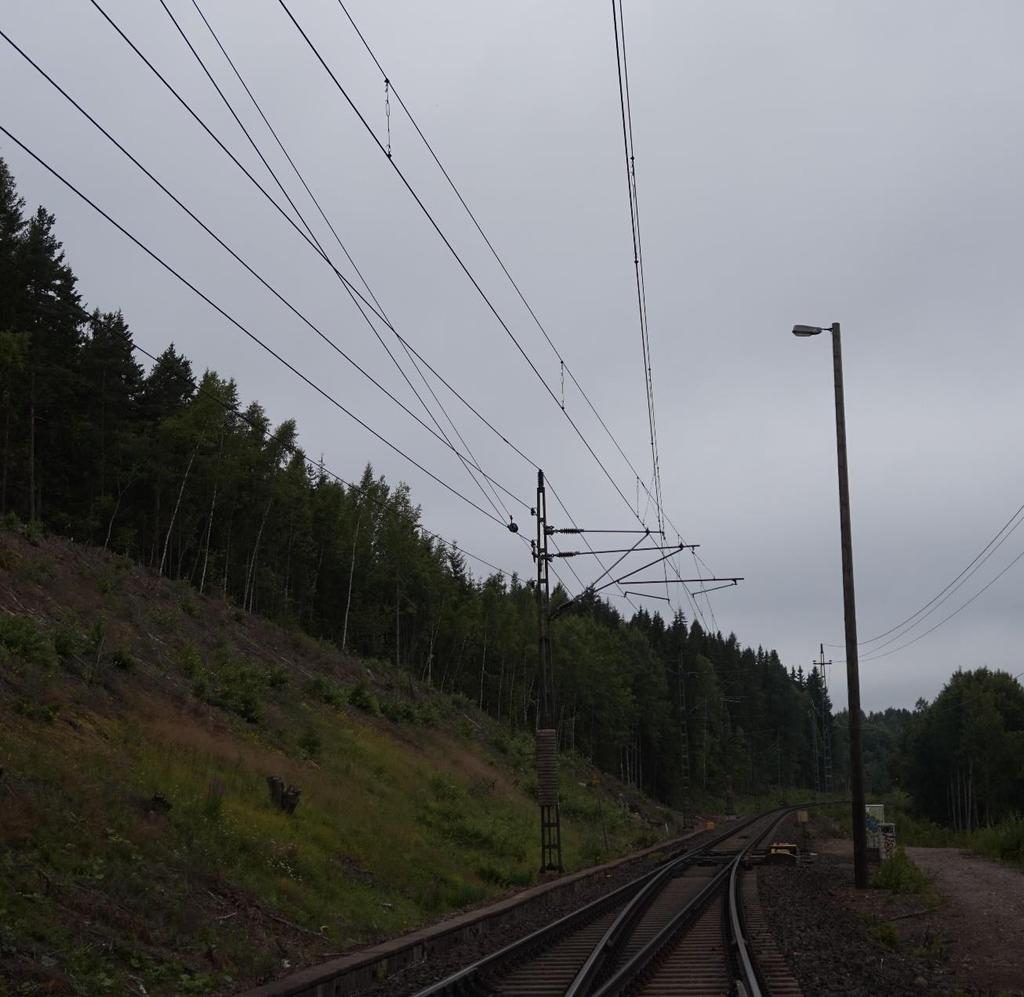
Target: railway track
(691, 926)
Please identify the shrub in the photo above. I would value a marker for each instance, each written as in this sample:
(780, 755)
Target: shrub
(362, 698)
(276, 677)
(191, 662)
(323, 690)
(24, 638)
(66, 643)
(900, 875)
(1003, 841)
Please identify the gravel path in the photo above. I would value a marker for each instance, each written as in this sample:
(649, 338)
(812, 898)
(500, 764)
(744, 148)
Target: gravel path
(981, 918)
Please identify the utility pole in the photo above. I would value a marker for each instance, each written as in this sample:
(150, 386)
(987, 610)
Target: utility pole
(547, 735)
(860, 840)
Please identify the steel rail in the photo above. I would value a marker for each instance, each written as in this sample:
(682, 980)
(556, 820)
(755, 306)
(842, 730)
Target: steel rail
(750, 977)
(624, 979)
(614, 938)
(466, 981)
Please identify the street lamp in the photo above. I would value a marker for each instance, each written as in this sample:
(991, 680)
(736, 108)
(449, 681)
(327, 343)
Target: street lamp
(860, 865)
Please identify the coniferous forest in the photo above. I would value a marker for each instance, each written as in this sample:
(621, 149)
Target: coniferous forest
(174, 469)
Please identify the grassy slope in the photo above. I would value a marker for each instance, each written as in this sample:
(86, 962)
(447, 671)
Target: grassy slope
(116, 687)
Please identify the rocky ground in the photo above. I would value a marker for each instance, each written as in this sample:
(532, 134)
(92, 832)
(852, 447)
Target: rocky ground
(960, 937)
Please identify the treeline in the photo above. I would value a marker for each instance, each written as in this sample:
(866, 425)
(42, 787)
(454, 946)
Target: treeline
(962, 756)
(174, 472)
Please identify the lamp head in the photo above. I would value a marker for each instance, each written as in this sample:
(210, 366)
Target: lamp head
(807, 330)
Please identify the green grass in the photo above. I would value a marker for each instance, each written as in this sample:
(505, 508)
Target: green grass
(390, 833)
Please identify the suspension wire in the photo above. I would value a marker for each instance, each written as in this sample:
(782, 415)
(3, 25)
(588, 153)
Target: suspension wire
(904, 631)
(249, 334)
(254, 273)
(625, 106)
(419, 359)
(270, 170)
(873, 656)
(323, 469)
(501, 263)
(697, 562)
(451, 248)
(951, 587)
(349, 286)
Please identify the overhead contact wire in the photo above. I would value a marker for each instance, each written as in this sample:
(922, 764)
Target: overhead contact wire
(252, 336)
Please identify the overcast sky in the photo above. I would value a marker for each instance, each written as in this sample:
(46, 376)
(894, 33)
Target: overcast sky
(797, 162)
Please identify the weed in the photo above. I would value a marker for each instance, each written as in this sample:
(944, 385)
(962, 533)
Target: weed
(36, 569)
(94, 642)
(325, 691)
(11, 521)
(122, 660)
(107, 582)
(189, 605)
(276, 677)
(66, 643)
(362, 698)
(34, 532)
(44, 712)
(162, 617)
(310, 743)
(900, 875)
(23, 638)
(213, 802)
(191, 662)
(882, 931)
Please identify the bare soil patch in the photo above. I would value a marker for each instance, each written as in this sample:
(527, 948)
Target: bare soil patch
(981, 917)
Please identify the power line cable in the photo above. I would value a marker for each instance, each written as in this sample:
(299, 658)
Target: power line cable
(870, 656)
(951, 587)
(564, 365)
(625, 105)
(455, 254)
(252, 336)
(306, 225)
(443, 439)
(349, 286)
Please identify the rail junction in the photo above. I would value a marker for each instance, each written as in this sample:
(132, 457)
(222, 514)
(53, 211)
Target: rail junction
(690, 926)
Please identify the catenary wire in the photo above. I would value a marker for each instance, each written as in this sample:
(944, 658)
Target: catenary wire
(618, 22)
(885, 654)
(305, 237)
(287, 217)
(244, 264)
(490, 305)
(245, 131)
(501, 263)
(252, 336)
(939, 596)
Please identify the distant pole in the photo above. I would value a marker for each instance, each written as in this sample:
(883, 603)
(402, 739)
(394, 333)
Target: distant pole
(860, 842)
(547, 735)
